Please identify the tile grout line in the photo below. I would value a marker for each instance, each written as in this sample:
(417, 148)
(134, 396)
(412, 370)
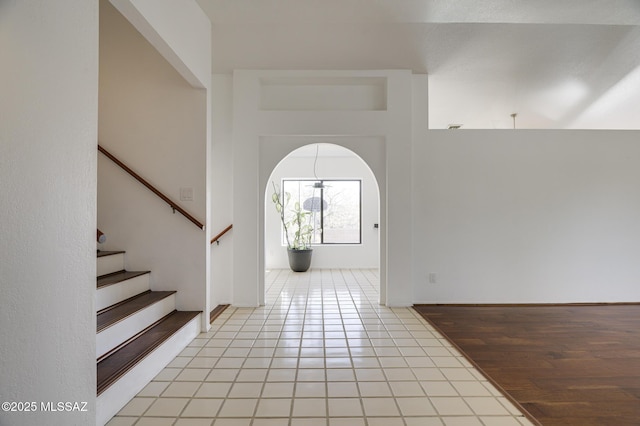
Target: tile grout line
(333, 298)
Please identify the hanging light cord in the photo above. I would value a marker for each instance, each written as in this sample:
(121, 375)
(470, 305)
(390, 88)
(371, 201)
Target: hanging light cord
(315, 161)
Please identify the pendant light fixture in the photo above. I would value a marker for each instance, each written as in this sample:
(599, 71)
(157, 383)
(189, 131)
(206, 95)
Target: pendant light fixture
(318, 184)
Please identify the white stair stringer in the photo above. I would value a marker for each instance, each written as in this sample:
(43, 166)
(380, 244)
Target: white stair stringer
(114, 335)
(114, 293)
(124, 389)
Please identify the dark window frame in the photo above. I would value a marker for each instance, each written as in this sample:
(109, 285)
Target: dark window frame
(322, 182)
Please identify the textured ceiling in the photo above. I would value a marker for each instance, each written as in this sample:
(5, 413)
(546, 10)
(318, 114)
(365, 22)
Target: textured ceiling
(557, 64)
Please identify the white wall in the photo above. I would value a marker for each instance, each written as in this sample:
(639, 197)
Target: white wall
(221, 184)
(527, 216)
(389, 130)
(156, 122)
(365, 255)
(180, 31)
(499, 216)
(48, 81)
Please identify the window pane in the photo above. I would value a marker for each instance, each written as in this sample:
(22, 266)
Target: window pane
(302, 190)
(342, 212)
(339, 211)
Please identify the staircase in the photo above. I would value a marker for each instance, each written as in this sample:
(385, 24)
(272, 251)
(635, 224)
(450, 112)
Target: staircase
(138, 333)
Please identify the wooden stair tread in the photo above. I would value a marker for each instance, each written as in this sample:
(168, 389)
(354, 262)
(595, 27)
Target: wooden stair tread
(115, 313)
(114, 366)
(117, 277)
(102, 253)
(215, 313)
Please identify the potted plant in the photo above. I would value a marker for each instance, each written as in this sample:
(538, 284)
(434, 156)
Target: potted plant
(297, 230)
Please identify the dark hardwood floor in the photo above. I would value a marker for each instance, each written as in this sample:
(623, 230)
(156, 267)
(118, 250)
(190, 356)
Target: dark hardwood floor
(566, 365)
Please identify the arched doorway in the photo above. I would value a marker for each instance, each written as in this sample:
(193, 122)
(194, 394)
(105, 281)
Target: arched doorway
(337, 159)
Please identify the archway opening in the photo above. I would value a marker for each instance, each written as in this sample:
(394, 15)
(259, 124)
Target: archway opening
(341, 195)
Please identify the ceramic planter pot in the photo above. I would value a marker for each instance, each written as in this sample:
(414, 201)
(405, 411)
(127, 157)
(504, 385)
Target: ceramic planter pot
(299, 260)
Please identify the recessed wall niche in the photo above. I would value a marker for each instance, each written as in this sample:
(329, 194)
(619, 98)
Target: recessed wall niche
(323, 94)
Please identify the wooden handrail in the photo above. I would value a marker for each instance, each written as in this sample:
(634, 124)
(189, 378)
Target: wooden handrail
(166, 199)
(217, 237)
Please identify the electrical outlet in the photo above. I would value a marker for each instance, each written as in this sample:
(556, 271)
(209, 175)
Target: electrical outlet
(433, 278)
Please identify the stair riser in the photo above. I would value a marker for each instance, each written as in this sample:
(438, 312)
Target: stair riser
(108, 264)
(113, 336)
(112, 294)
(121, 392)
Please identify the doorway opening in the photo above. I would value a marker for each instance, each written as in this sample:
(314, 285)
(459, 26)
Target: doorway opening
(341, 196)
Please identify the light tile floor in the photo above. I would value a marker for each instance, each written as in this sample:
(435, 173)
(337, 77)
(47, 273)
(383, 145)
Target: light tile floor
(321, 352)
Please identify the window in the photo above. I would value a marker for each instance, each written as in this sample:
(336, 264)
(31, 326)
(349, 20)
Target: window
(335, 207)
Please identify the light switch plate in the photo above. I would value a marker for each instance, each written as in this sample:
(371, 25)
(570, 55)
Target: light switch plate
(186, 194)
